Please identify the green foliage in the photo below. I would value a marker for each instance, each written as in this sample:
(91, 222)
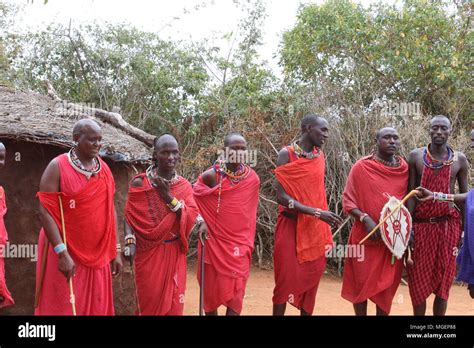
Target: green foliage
(115, 66)
(420, 52)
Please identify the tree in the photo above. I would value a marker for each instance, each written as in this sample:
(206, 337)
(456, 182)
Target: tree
(419, 52)
(151, 81)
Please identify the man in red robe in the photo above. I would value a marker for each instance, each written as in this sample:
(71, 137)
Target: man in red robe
(436, 226)
(303, 233)
(371, 178)
(5, 296)
(160, 215)
(227, 196)
(77, 190)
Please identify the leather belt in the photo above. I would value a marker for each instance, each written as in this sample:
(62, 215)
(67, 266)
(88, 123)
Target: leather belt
(432, 220)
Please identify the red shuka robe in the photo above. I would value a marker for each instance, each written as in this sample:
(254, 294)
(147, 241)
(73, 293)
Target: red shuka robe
(162, 243)
(434, 256)
(374, 277)
(229, 248)
(8, 300)
(301, 243)
(89, 216)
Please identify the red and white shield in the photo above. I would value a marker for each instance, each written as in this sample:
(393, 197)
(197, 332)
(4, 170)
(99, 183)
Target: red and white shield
(395, 231)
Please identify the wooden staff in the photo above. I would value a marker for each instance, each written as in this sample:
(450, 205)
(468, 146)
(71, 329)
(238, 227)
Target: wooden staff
(201, 289)
(42, 270)
(406, 198)
(71, 290)
(135, 288)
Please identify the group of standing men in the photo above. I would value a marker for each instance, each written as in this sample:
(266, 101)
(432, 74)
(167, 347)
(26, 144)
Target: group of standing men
(79, 241)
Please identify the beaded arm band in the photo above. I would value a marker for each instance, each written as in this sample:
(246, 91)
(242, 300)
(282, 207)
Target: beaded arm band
(442, 197)
(130, 239)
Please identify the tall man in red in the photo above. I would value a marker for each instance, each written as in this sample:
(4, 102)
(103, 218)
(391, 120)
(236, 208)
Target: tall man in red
(5, 296)
(160, 214)
(370, 180)
(227, 196)
(437, 226)
(85, 186)
(303, 233)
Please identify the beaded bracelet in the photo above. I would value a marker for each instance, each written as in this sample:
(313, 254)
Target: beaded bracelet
(130, 239)
(60, 248)
(177, 207)
(442, 197)
(119, 247)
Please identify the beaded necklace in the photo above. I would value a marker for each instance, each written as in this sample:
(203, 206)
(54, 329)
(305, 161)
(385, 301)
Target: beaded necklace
(309, 155)
(77, 164)
(387, 163)
(235, 177)
(441, 163)
(152, 174)
(241, 173)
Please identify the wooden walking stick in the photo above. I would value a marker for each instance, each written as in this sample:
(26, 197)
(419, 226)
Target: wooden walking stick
(201, 289)
(406, 198)
(135, 288)
(63, 225)
(42, 270)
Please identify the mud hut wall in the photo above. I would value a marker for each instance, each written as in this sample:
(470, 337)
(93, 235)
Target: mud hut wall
(20, 177)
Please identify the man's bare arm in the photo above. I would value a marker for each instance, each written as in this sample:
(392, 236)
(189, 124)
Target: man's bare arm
(50, 182)
(412, 180)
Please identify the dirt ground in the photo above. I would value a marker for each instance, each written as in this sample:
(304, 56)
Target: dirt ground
(258, 297)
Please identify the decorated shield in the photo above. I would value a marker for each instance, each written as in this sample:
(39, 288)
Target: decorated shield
(395, 231)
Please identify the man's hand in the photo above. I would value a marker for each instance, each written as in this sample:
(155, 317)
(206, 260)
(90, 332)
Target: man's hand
(424, 195)
(117, 265)
(369, 225)
(203, 231)
(66, 265)
(163, 189)
(330, 218)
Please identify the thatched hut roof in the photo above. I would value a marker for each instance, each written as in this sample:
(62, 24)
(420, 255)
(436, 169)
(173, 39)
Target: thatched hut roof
(37, 118)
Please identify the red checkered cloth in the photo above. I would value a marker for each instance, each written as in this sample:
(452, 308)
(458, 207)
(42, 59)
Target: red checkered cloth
(434, 254)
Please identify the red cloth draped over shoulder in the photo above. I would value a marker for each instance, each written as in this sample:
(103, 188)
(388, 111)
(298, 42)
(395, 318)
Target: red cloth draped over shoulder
(152, 226)
(236, 219)
(8, 300)
(303, 180)
(231, 239)
(160, 262)
(374, 277)
(89, 217)
(365, 189)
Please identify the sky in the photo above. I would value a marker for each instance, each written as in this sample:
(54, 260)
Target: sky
(189, 20)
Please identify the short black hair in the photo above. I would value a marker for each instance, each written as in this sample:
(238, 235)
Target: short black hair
(156, 140)
(309, 119)
(377, 135)
(441, 117)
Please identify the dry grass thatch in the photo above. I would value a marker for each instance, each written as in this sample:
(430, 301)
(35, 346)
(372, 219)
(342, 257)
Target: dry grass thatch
(42, 119)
